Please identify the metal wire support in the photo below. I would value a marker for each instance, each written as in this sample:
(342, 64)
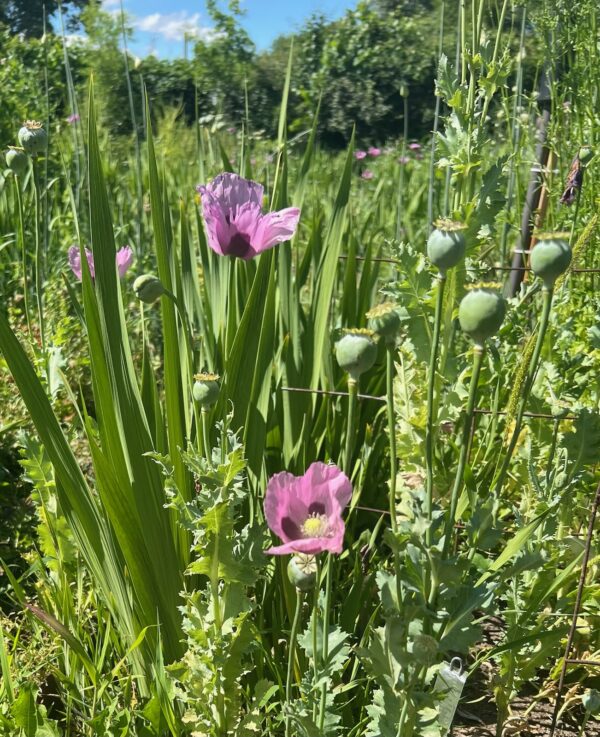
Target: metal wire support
(576, 610)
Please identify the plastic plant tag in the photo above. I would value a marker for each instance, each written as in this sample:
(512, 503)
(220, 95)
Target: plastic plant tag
(449, 684)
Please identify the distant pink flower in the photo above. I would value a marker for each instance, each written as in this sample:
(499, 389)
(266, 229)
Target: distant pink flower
(367, 174)
(124, 259)
(414, 146)
(306, 511)
(403, 160)
(235, 223)
(73, 118)
(374, 151)
(360, 155)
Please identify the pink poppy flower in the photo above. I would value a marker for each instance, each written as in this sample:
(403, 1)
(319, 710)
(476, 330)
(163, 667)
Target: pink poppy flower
(414, 146)
(367, 174)
(73, 118)
(306, 511)
(403, 160)
(124, 257)
(359, 155)
(374, 151)
(235, 223)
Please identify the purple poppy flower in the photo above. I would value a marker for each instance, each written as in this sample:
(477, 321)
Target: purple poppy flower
(73, 118)
(414, 146)
(374, 151)
(235, 223)
(367, 174)
(124, 258)
(306, 511)
(359, 155)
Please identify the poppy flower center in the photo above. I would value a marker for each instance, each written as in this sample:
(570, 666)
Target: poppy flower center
(238, 246)
(316, 525)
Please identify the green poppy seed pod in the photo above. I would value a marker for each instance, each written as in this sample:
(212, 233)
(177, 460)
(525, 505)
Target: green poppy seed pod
(206, 389)
(481, 313)
(586, 154)
(33, 137)
(385, 320)
(591, 701)
(356, 352)
(446, 244)
(148, 288)
(16, 160)
(302, 571)
(550, 257)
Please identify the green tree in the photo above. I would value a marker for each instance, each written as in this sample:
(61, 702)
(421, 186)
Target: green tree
(27, 16)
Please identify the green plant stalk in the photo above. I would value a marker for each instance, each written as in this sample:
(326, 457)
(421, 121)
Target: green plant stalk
(38, 256)
(205, 434)
(315, 639)
(391, 419)
(478, 352)
(218, 621)
(436, 124)
(586, 719)
(291, 659)
(547, 294)
(349, 445)
(400, 205)
(439, 306)
(23, 251)
(326, 611)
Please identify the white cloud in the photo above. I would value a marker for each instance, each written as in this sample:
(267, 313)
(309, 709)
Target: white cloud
(109, 4)
(173, 26)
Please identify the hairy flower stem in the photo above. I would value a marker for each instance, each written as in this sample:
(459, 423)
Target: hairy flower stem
(430, 403)
(326, 610)
(547, 294)
(291, 659)
(349, 446)
(347, 465)
(206, 435)
(218, 620)
(315, 634)
(23, 250)
(391, 418)
(38, 257)
(478, 352)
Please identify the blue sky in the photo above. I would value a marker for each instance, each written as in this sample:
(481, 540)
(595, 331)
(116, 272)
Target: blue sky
(160, 26)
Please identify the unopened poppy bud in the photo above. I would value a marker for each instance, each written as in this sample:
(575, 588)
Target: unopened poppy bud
(206, 389)
(33, 137)
(148, 288)
(385, 320)
(591, 701)
(481, 313)
(586, 154)
(550, 257)
(302, 571)
(356, 351)
(424, 649)
(16, 160)
(446, 244)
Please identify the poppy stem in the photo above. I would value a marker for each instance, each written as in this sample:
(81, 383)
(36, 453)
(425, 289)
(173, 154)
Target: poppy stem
(19, 200)
(291, 659)
(430, 403)
(391, 419)
(464, 448)
(315, 633)
(349, 446)
(326, 610)
(547, 294)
